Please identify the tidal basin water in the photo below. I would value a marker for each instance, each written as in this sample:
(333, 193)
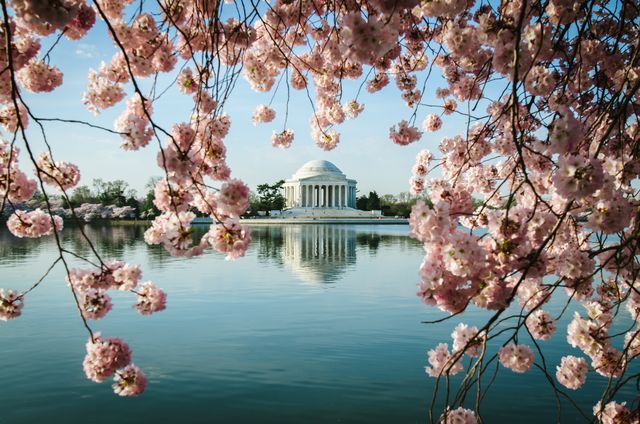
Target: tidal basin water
(317, 324)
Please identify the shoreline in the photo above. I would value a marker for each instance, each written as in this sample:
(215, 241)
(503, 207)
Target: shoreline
(260, 221)
(306, 220)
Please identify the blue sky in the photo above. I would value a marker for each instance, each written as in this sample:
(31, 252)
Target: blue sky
(365, 152)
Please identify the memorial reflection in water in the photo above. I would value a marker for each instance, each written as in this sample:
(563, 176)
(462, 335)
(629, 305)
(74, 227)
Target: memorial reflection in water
(318, 253)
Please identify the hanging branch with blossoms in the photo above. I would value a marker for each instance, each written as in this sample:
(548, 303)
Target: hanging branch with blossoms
(554, 160)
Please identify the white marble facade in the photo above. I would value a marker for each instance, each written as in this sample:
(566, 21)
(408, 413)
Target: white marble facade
(319, 184)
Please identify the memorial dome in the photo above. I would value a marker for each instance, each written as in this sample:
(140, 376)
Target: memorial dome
(316, 168)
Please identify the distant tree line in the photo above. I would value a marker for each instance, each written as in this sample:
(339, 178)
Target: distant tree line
(400, 204)
(389, 204)
(102, 200)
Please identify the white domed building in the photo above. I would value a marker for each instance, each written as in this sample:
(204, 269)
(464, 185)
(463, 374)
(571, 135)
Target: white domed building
(319, 188)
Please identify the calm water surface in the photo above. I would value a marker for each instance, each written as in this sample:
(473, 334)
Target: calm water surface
(317, 324)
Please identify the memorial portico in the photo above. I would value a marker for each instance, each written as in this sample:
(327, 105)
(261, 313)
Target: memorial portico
(319, 184)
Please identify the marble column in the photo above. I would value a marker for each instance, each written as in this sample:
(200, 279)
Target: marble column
(295, 196)
(324, 196)
(334, 203)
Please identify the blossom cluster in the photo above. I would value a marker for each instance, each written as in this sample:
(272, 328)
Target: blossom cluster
(263, 114)
(11, 304)
(34, 224)
(62, 175)
(466, 340)
(458, 416)
(112, 357)
(14, 183)
(282, 139)
(572, 372)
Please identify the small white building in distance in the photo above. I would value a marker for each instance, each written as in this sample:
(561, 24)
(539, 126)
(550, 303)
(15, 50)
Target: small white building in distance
(320, 189)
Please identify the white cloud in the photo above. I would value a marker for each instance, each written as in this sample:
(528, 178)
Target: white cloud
(86, 50)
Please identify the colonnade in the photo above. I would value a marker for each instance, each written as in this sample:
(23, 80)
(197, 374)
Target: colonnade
(320, 195)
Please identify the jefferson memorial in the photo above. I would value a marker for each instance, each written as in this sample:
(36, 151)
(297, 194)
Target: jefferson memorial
(319, 188)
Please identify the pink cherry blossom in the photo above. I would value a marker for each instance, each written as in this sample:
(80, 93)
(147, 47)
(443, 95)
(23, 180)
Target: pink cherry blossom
(104, 357)
(614, 413)
(233, 198)
(21, 188)
(608, 362)
(150, 299)
(577, 176)
(125, 276)
(33, 224)
(95, 303)
(587, 335)
(63, 175)
(263, 114)
(102, 92)
(465, 337)
(572, 372)
(230, 237)
(9, 118)
(39, 77)
(432, 123)
(463, 256)
(133, 124)
(78, 27)
(458, 416)
(518, 358)
(541, 325)
(352, 109)
(11, 304)
(405, 134)
(441, 362)
(429, 223)
(282, 139)
(129, 381)
(632, 342)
